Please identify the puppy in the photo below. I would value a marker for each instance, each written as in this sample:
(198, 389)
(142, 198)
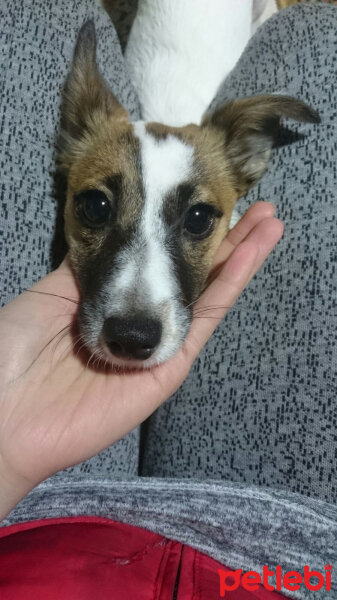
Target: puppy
(148, 205)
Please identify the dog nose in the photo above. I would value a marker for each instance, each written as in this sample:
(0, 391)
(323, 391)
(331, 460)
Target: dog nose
(132, 337)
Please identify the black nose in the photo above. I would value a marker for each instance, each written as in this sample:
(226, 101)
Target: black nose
(135, 337)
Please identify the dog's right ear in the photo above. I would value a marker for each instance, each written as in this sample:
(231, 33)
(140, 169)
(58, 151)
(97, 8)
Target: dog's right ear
(250, 128)
(87, 98)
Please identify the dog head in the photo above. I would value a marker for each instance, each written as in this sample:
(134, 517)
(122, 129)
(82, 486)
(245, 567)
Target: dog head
(148, 206)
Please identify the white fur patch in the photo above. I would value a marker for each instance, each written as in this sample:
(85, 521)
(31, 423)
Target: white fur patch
(179, 52)
(165, 164)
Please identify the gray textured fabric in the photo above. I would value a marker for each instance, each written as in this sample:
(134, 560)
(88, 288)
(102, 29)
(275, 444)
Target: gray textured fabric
(259, 406)
(37, 42)
(239, 526)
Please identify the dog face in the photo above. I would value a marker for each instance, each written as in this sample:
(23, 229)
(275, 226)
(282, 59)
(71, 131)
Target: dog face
(148, 206)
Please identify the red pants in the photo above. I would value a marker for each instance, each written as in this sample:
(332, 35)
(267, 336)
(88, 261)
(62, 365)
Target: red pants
(86, 558)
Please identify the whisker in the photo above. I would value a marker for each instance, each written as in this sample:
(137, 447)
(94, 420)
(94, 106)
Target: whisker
(92, 355)
(61, 338)
(208, 317)
(194, 302)
(70, 347)
(83, 345)
(206, 308)
(96, 362)
(55, 295)
(64, 335)
(77, 338)
(64, 330)
(212, 306)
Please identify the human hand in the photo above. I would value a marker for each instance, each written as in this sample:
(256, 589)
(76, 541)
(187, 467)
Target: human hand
(55, 411)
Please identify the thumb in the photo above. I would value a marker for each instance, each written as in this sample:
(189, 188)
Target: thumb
(231, 280)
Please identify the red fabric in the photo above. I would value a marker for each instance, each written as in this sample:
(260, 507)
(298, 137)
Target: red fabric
(87, 557)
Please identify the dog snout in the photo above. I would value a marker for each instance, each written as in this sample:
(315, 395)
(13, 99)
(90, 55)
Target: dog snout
(132, 338)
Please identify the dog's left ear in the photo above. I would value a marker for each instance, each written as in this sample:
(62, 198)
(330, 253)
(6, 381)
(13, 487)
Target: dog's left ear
(87, 98)
(251, 127)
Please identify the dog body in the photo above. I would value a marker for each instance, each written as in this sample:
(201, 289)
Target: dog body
(179, 52)
(148, 205)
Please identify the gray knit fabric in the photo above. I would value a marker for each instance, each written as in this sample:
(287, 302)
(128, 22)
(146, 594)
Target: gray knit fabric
(260, 404)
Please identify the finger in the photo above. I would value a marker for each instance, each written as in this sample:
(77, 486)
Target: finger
(254, 215)
(236, 273)
(264, 235)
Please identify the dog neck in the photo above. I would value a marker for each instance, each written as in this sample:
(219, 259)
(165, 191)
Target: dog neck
(179, 52)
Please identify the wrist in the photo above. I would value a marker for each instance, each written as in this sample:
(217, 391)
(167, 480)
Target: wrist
(12, 489)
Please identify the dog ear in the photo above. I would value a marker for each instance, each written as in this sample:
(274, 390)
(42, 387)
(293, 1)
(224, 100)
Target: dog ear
(251, 128)
(87, 97)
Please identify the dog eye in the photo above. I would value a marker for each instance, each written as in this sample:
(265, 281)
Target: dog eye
(200, 219)
(93, 208)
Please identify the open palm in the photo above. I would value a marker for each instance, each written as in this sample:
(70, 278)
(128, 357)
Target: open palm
(55, 410)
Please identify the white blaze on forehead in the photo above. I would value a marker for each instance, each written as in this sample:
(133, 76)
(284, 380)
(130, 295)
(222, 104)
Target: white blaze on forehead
(165, 164)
